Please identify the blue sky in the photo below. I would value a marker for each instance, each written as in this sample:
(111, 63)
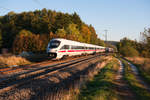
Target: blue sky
(122, 18)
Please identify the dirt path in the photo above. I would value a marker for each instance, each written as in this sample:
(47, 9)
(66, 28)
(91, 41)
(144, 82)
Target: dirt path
(139, 78)
(121, 86)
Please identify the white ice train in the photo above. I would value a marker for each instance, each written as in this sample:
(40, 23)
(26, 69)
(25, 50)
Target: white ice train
(59, 48)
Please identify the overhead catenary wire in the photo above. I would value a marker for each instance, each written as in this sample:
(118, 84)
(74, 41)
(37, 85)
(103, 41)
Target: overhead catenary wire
(38, 3)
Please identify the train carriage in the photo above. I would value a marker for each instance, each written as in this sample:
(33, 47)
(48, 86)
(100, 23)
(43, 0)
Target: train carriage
(58, 48)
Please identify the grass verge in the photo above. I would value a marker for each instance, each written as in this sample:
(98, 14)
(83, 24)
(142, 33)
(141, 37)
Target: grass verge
(143, 66)
(101, 87)
(12, 60)
(135, 85)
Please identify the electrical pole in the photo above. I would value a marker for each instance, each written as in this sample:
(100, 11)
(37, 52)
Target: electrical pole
(106, 49)
(106, 35)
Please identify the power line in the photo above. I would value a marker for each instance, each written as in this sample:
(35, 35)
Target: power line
(37, 2)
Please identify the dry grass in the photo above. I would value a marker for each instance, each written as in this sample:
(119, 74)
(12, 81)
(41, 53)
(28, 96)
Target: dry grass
(143, 62)
(12, 61)
(143, 66)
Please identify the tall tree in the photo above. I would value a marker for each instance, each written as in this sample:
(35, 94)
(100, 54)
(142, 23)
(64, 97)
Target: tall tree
(76, 20)
(86, 33)
(74, 33)
(61, 33)
(146, 42)
(62, 21)
(128, 47)
(44, 25)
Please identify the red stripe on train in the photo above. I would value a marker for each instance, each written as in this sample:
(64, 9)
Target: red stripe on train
(62, 51)
(78, 50)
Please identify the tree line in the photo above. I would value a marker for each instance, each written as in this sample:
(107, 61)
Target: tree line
(31, 31)
(128, 47)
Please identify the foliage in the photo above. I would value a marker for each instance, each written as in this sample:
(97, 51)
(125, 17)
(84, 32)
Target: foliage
(129, 51)
(128, 47)
(86, 33)
(146, 42)
(73, 33)
(26, 41)
(25, 33)
(40, 23)
(61, 33)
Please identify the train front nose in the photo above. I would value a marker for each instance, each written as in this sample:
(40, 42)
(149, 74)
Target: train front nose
(52, 53)
(53, 47)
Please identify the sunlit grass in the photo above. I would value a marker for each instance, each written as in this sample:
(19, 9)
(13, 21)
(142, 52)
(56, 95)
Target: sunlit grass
(143, 66)
(135, 85)
(12, 60)
(101, 87)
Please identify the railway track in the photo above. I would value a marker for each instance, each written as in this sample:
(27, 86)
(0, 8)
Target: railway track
(9, 73)
(9, 69)
(25, 77)
(32, 66)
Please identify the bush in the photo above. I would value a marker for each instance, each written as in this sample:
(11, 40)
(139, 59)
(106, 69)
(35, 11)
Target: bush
(145, 54)
(27, 41)
(13, 60)
(129, 51)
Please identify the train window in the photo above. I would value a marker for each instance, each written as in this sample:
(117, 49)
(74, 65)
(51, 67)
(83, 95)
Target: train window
(77, 47)
(65, 47)
(82, 47)
(73, 47)
(54, 44)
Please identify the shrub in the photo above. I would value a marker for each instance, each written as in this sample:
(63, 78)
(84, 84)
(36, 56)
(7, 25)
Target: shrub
(13, 60)
(129, 51)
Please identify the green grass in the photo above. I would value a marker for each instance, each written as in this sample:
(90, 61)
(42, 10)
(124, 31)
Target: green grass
(101, 87)
(142, 72)
(135, 85)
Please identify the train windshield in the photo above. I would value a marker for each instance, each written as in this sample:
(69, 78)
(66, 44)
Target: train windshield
(54, 44)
